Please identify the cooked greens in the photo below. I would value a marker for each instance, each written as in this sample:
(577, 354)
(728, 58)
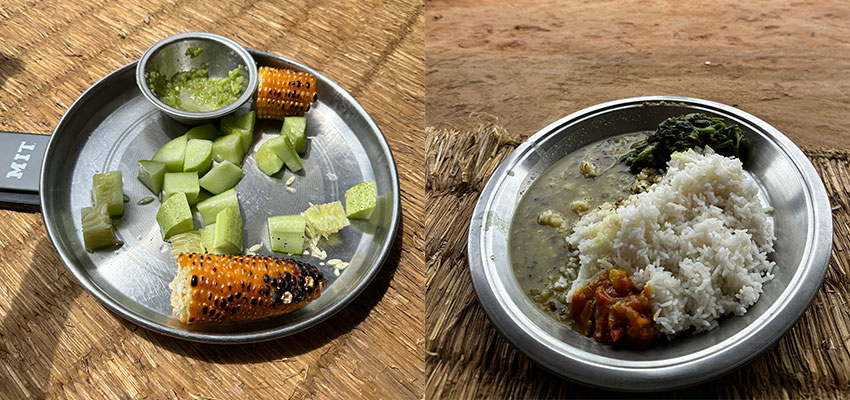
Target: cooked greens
(683, 133)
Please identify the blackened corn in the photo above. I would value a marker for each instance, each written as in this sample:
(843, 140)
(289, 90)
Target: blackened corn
(282, 92)
(224, 288)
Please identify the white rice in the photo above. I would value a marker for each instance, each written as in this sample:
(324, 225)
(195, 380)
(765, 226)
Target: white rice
(700, 237)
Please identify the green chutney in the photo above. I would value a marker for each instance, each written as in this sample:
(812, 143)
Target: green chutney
(194, 90)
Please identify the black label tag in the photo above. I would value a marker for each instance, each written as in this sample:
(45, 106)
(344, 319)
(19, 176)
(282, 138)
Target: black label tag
(21, 155)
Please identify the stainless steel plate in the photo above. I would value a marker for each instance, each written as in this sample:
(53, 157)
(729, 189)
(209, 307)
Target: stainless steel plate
(112, 125)
(803, 223)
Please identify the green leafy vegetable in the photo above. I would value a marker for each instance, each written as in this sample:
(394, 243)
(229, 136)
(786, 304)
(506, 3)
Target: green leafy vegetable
(683, 133)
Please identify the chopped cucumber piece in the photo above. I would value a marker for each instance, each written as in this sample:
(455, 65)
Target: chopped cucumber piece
(267, 160)
(223, 176)
(171, 154)
(228, 231)
(245, 121)
(205, 131)
(281, 146)
(246, 137)
(228, 148)
(97, 227)
(151, 174)
(324, 219)
(360, 200)
(210, 207)
(286, 233)
(198, 156)
(108, 189)
(243, 125)
(185, 182)
(174, 216)
(208, 237)
(203, 194)
(187, 242)
(295, 128)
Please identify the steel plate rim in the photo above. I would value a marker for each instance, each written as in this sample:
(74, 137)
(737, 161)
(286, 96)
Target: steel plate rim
(807, 279)
(224, 338)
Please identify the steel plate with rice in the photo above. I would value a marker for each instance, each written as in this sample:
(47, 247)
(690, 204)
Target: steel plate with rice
(650, 243)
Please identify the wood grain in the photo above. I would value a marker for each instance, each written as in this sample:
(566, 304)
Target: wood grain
(468, 358)
(56, 341)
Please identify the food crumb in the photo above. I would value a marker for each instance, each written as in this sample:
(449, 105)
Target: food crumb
(290, 189)
(331, 177)
(336, 272)
(551, 218)
(256, 247)
(708, 63)
(145, 200)
(589, 170)
(290, 181)
(334, 261)
(342, 265)
(316, 250)
(579, 206)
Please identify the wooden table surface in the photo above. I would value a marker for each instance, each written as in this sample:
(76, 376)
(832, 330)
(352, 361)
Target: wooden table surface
(530, 63)
(57, 341)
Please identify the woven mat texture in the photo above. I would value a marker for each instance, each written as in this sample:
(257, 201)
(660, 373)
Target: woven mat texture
(468, 358)
(59, 342)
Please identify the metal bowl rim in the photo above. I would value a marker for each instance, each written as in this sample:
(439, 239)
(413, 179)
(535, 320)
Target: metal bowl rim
(645, 375)
(253, 76)
(226, 338)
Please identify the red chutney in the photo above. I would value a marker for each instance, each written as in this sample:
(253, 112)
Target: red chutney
(612, 310)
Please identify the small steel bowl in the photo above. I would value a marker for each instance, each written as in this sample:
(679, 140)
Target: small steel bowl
(803, 226)
(219, 54)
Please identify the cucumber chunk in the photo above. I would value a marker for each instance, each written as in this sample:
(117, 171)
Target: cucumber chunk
(228, 231)
(281, 146)
(295, 128)
(208, 237)
(198, 156)
(151, 174)
(205, 131)
(203, 194)
(172, 153)
(187, 242)
(174, 216)
(181, 182)
(247, 120)
(267, 160)
(243, 125)
(97, 228)
(108, 188)
(228, 148)
(246, 137)
(324, 219)
(223, 176)
(360, 200)
(210, 207)
(286, 233)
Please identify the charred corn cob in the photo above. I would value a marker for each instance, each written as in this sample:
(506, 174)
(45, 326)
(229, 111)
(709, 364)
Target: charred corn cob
(221, 288)
(282, 92)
